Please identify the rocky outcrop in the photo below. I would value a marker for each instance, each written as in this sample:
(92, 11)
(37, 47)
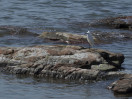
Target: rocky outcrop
(99, 37)
(64, 37)
(123, 85)
(123, 22)
(15, 30)
(59, 61)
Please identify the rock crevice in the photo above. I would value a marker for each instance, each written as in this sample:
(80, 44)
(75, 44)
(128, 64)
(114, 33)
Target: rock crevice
(59, 61)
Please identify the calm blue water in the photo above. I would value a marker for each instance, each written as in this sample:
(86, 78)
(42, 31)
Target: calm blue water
(65, 16)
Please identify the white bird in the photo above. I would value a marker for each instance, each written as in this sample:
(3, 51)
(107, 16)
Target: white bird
(90, 39)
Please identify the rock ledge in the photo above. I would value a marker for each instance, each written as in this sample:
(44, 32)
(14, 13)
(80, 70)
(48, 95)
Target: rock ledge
(60, 61)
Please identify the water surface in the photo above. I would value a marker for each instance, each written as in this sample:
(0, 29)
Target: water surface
(66, 16)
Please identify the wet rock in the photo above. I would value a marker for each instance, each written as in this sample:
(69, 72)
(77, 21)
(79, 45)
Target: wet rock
(99, 37)
(104, 67)
(123, 85)
(6, 52)
(115, 74)
(59, 61)
(110, 37)
(64, 37)
(72, 38)
(15, 30)
(123, 22)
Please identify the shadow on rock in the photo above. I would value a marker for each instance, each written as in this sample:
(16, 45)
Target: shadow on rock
(60, 61)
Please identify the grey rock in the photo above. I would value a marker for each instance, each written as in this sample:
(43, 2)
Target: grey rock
(59, 61)
(123, 85)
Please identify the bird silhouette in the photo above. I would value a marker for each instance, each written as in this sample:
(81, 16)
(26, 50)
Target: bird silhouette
(90, 39)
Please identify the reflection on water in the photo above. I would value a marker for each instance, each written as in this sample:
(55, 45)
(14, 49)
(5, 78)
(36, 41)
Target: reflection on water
(20, 87)
(35, 88)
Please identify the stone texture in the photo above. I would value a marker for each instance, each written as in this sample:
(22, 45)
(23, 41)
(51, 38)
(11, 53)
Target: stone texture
(64, 37)
(103, 67)
(123, 85)
(123, 22)
(99, 37)
(15, 30)
(59, 61)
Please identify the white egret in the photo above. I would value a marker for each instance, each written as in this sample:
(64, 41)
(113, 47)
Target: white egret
(90, 39)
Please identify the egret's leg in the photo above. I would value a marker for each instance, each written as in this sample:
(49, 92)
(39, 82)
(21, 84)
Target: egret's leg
(89, 46)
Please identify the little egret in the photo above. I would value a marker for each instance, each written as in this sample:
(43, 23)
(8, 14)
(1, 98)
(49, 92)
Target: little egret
(90, 39)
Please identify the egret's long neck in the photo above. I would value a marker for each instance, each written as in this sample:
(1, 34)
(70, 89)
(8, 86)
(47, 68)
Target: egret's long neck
(87, 34)
(87, 37)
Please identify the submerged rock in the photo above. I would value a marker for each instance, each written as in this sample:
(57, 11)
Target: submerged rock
(15, 30)
(123, 22)
(59, 61)
(123, 85)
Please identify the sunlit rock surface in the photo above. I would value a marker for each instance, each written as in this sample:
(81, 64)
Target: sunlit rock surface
(123, 85)
(59, 61)
(64, 37)
(98, 37)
